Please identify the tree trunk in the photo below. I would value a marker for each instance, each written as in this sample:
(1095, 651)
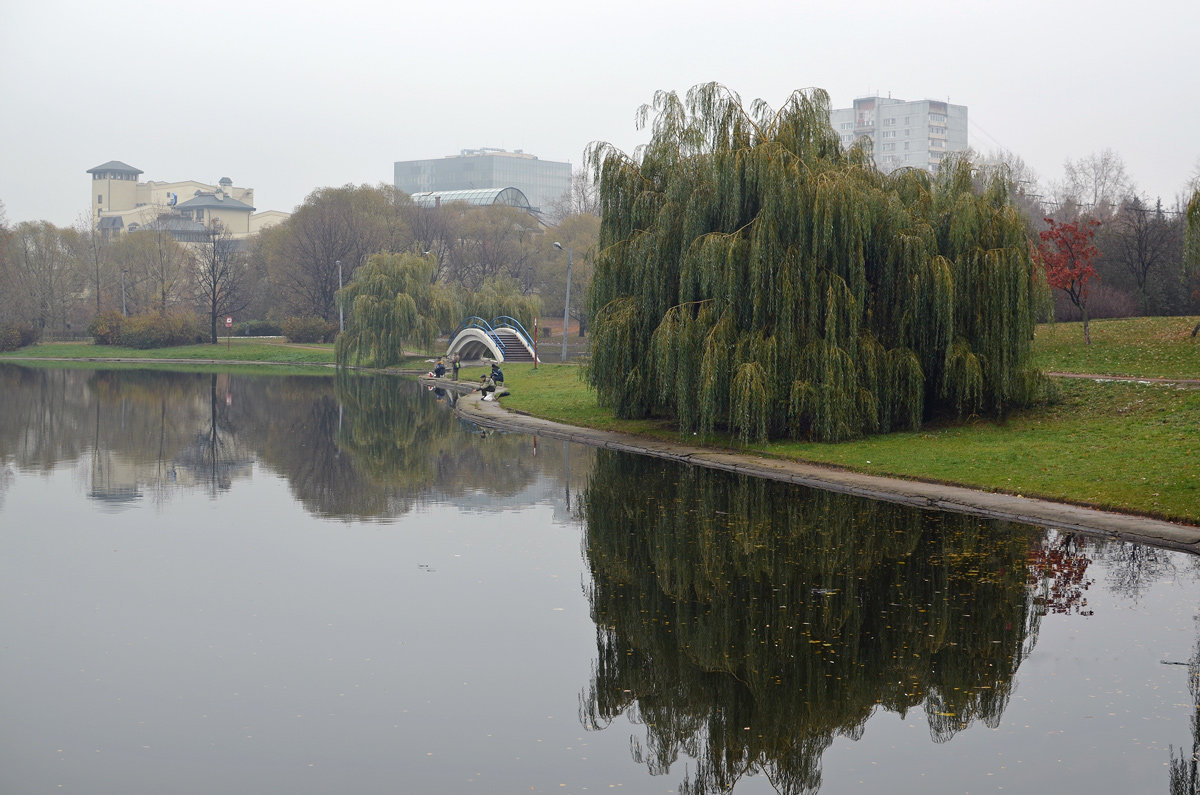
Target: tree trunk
(1087, 333)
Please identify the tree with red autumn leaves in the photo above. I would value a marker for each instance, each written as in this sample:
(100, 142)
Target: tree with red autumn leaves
(1067, 252)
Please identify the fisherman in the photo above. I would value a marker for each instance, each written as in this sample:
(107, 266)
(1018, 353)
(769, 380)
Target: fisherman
(487, 385)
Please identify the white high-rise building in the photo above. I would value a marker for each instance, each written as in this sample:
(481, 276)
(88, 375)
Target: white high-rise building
(904, 134)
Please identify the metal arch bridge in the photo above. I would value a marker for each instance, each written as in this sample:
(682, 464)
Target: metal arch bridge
(504, 339)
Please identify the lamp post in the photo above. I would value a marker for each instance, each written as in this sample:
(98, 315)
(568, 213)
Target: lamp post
(123, 312)
(341, 319)
(566, 300)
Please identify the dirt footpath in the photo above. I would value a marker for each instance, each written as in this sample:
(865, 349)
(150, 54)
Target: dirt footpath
(907, 492)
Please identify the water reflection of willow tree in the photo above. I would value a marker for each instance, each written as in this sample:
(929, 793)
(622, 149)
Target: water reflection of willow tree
(747, 623)
(1185, 775)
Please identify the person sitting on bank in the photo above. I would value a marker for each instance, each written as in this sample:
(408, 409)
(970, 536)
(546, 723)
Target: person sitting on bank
(497, 374)
(439, 369)
(487, 385)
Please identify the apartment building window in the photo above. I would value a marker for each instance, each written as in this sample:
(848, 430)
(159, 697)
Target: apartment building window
(99, 198)
(937, 130)
(889, 133)
(889, 122)
(889, 147)
(937, 118)
(847, 125)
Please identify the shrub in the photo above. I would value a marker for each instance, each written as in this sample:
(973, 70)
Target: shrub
(257, 328)
(1103, 302)
(10, 339)
(157, 330)
(308, 329)
(105, 327)
(13, 337)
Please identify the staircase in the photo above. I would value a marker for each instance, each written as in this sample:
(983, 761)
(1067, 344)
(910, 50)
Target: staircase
(514, 346)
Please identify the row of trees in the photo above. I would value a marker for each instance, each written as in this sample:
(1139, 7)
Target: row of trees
(470, 247)
(1137, 243)
(55, 279)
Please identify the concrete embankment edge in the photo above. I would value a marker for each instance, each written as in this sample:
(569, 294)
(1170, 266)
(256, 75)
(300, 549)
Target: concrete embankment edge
(918, 494)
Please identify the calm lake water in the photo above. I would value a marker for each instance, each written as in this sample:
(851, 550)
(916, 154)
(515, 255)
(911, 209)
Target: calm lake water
(248, 584)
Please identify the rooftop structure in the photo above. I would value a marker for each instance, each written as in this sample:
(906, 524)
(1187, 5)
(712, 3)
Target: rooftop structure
(480, 197)
(121, 202)
(543, 182)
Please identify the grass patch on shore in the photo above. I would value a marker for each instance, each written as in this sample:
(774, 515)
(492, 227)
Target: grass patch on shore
(1146, 347)
(241, 350)
(1124, 446)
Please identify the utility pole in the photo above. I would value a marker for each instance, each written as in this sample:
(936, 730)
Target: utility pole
(566, 300)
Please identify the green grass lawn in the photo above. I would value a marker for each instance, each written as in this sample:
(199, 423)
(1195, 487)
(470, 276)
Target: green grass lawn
(1147, 347)
(241, 350)
(1125, 446)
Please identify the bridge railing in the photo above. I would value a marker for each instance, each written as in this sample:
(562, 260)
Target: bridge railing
(515, 325)
(482, 325)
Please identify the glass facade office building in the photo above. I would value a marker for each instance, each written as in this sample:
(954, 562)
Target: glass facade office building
(543, 181)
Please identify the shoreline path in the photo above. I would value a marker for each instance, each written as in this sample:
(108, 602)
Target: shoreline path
(916, 493)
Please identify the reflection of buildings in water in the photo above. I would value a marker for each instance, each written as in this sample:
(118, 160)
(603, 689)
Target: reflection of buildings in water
(116, 479)
(6, 476)
(542, 489)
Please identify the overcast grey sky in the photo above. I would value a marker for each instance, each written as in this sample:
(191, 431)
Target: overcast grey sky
(285, 97)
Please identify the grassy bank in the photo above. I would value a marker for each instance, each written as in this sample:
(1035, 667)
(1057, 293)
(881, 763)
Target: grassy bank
(1146, 347)
(240, 350)
(1124, 446)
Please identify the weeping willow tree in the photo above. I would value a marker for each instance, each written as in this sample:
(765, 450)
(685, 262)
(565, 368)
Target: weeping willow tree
(394, 301)
(755, 276)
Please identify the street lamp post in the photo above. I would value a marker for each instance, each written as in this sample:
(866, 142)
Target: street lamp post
(566, 300)
(341, 319)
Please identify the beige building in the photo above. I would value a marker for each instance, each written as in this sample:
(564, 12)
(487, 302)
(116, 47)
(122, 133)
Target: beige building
(121, 202)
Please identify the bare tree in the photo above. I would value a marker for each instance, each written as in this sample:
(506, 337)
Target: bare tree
(489, 241)
(47, 274)
(1095, 184)
(581, 198)
(1143, 240)
(219, 275)
(346, 225)
(93, 253)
